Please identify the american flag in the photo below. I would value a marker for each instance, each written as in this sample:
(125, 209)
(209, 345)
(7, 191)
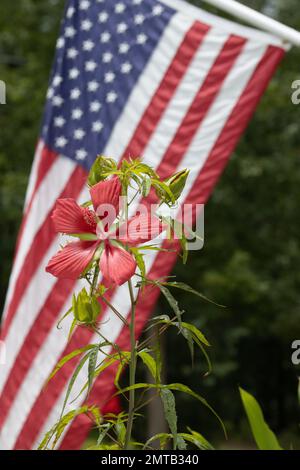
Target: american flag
(158, 79)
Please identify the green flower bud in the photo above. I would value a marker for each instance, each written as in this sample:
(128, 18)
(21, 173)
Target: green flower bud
(177, 182)
(85, 308)
(101, 166)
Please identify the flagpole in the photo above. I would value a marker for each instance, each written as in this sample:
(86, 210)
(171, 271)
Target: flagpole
(258, 20)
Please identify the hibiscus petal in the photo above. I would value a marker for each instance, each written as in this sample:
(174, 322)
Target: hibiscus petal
(106, 193)
(68, 217)
(141, 229)
(117, 265)
(72, 260)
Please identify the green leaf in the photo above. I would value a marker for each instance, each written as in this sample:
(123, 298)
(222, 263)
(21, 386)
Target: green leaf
(197, 440)
(123, 363)
(158, 361)
(72, 327)
(149, 362)
(142, 168)
(63, 317)
(57, 430)
(101, 168)
(106, 363)
(189, 337)
(162, 437)
(95, 412)
(187, 288)
(174, 387)
(72, 381)
(139, 258)
(263, 435)
(103, 430)
(146, 186)
(196, 332)
(91, 367)
(87, 203)
(120, 429)
(172, 301)
(169, 405)
(177, 229)
(185, 389)
(163, 192)
(67, 358)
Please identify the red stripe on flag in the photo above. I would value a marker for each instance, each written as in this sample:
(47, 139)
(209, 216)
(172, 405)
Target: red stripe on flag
(166, 89)
(103, 388)
(39, 246)
(48, 397)
(34, 340)
(47, 159)
(201, 190)
(201, 104)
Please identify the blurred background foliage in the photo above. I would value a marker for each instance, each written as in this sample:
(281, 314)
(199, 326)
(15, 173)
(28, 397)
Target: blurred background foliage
(250, 261)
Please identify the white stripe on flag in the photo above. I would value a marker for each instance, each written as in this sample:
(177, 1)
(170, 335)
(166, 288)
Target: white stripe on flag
(44, 199)
(33, 173)
(147, 84)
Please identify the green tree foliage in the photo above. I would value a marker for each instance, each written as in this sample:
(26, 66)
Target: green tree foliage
(250, 261)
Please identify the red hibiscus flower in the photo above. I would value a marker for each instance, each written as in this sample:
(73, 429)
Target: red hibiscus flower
(116, 263)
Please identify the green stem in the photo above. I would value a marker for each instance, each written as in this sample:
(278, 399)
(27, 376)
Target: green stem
(95, 280)
(132, 368)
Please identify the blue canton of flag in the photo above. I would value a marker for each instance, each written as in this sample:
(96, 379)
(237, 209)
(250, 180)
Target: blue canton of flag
(96, 69)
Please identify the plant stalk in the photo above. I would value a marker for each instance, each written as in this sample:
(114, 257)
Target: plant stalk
(132, 368)
(95, 280)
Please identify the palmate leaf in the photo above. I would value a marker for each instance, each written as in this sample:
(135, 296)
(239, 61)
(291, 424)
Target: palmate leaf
(263, 435)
